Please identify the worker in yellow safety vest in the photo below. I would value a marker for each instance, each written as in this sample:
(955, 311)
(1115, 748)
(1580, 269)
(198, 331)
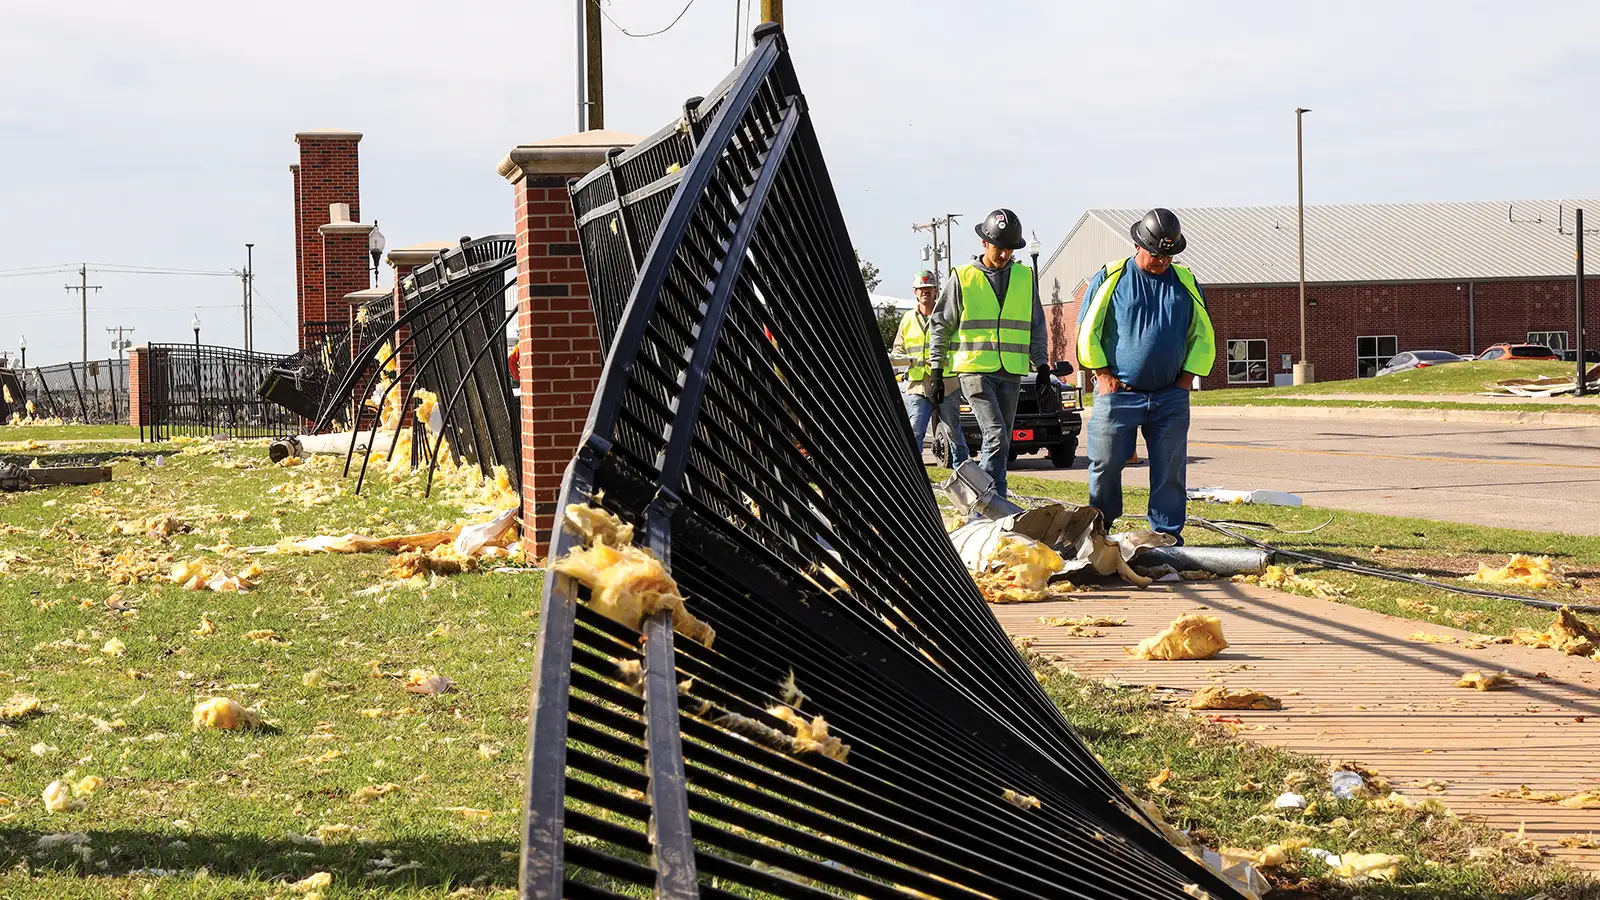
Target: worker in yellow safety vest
(911, 346)
(989, 330)
(1145, 334)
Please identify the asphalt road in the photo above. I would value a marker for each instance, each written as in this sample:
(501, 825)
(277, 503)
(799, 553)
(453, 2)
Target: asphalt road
(1539, 477)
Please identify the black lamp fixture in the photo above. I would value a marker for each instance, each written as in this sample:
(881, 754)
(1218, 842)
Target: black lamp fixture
(375, 245)
(195, 324)
(23, 346)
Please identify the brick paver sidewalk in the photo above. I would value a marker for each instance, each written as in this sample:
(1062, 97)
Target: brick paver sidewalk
(1354, 688)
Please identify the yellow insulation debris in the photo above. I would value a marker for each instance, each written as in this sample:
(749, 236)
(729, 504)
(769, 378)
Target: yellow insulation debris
(1193, 636)
(1568, 633)
(1527, 571)
(1217, 696)
(627, 584)
(1494, 681)
(1020, 800)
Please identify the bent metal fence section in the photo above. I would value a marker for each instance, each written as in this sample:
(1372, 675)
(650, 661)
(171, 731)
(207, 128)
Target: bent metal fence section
(747, 425)
(199, 389)
(448, 339)
(91, 393)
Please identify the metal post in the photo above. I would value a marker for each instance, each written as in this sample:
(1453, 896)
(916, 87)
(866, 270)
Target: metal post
(83, 275)
(583, 89)
(1304, 370)
(595, 82)
(1472, 317)
(1579, 310)
(249, 297)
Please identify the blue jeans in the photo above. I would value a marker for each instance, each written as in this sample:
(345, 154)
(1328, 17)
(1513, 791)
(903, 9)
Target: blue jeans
(921, 411)
(994, 405)
(1113, 427)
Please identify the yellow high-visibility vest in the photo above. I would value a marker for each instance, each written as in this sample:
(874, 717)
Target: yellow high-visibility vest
(914, 340)
(994, 336)
(1202, 350)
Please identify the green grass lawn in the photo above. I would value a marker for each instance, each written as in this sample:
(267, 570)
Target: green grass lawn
(243, 814)
(21, 434)
(1454, 378)
(1241, 398)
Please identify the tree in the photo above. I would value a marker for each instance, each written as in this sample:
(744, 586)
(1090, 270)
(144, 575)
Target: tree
(869, 273)
(888, 323)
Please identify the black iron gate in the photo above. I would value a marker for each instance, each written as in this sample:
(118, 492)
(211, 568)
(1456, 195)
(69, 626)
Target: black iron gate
(199, 389)
(748, 426)
(83, 393)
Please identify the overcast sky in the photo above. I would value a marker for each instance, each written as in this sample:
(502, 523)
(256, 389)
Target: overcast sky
(160, 133)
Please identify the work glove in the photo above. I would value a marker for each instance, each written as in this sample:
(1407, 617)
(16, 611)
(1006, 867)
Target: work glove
(1043, 381)
(936, 392)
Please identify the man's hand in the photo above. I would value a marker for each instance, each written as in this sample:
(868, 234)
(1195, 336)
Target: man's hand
(936, 392)
(1188, 381)
(1107, 383)
(1043, 381)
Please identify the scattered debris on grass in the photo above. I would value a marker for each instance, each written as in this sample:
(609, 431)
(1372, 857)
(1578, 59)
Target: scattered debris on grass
(19, 707)
(1526, 571)
(1193, 636)
(223, 713)
(1492, 682)
(197, 575)
(1568, 633)
(1284, 578)
(423, 681)
(1217, 696)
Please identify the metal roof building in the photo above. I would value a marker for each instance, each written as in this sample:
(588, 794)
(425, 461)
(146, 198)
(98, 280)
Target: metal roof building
(1452, 276)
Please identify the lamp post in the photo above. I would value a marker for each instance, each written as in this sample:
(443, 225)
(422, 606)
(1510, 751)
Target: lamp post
(1304, 371)
(375, 245)
(23, 346)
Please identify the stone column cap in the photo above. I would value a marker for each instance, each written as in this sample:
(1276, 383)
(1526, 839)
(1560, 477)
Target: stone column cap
(418, 254)
(367, 294)
(327, 134)
(339, 221)
(571, 156)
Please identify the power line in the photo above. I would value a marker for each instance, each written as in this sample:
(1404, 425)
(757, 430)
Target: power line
(646, 34)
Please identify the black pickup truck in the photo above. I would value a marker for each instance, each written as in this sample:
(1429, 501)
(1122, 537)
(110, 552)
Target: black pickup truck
(1046, 420)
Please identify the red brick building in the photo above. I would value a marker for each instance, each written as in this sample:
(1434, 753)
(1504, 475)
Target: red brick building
(1380, 280)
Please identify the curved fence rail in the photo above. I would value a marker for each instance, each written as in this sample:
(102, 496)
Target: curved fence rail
(748, 427)
(448, 337)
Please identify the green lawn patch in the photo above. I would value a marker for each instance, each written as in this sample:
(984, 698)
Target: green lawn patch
(1238, 398)
(1452, 378)
(14, 434)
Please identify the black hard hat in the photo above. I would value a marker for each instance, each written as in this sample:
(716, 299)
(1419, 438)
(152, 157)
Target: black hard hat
(1159, 232)
(1002, 228)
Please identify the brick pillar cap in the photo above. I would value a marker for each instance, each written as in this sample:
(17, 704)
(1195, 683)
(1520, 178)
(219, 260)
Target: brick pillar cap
(367, 294)
(139, 348)
(327, 134)
(418, 254)
(571, 156)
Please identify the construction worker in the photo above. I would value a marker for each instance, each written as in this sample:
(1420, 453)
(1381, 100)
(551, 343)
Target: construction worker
(1145, 334)
(911, 348)
(990, 330)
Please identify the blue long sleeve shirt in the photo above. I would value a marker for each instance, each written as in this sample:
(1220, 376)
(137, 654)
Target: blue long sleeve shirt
(1146, 336)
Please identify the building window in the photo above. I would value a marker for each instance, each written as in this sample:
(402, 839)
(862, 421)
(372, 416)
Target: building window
(1555, 340)
(1373, 353)
(1247, 362)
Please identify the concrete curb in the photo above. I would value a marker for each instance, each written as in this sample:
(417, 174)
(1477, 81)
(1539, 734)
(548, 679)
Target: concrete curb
(1432, 414)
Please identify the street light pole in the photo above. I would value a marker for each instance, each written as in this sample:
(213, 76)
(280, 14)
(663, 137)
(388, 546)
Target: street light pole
(23, 346)
(1578, 304)
(1304, 370)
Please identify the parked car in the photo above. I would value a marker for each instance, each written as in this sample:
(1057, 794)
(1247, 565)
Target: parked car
(1518, 351)
(1046, 420)
(1589, 355)
(1419, 359)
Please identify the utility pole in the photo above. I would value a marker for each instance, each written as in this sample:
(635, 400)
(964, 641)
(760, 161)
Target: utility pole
(932, 227)
(119, 344)
(772, 11)
(591, 71)
(1578, 304)
(83, 288)
(247, 277)
(1304, 371)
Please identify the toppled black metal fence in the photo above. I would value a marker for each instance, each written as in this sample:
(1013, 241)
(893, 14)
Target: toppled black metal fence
(199, 389)
(448, 339)
(91, 393)
(748, 426)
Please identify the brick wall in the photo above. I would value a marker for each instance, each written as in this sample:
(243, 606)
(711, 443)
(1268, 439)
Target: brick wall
(139, 386)
(558, 347)
(1430, 316)
(328, 173)
(345, 269)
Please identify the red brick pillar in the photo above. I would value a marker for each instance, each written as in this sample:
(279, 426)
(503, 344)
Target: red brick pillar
(345, 261)
(139, 386)
(329, 172)
(558, 346)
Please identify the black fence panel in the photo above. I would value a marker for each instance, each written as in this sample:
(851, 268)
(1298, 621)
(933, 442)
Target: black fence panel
(91, 393)
(448, 337)
(747, 425)
(199, 389)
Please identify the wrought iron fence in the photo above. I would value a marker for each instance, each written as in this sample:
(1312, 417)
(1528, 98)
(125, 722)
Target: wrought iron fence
(199, 389)
(91, 393)
(748, 426)
(448, 339)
